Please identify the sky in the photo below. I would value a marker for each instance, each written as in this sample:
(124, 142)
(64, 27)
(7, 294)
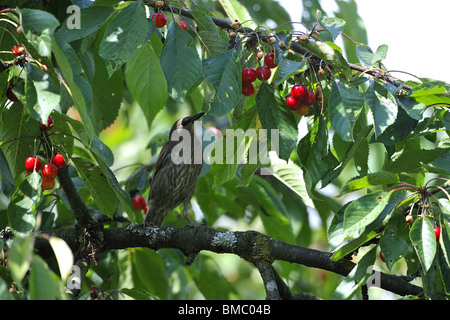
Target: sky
(416, 32)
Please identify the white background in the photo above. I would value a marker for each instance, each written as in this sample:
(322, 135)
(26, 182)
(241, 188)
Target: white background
(416, 31)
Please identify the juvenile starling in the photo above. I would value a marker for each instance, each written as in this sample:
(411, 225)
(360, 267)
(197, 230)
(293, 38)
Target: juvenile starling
(173, 182)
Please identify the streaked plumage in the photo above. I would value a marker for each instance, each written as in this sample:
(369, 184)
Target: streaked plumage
(173, 184)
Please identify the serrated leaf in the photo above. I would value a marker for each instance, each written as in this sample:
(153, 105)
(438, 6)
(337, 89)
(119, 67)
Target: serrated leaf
(382, 105)
(19, 257)
(364, 210)
(146, 81)
(7, 183)
(367, 57)
(23, 205)
(209, 34)
(38, 27)
(289, 67)
(333, 25)
(237, 11)
(107, 95)
(424, 241)
(43, 283)
(15, 127)
(92, 18)
(327, 53)
(359, 275)
(274, 114)
(223, 73)
(126, 32)
(97, 185)
(352, 245)
(76, 85)
(395, 244)
(369, 181)
(180, 62)
(344, 107)
(292, 176)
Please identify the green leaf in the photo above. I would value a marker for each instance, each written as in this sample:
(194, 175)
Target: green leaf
(359, 276)
(77, 86)
(223, 73)
(367, 57)
(126, 32)
(7, 183)
(289, 67)
(237, 11)
(23, 205)
(155, 282)
(292, 176)
(38, 27)
(43, 283)
(363, 211)
(411, 160)
(180, 62)
(344, 107)
(352, 245)
(333, 25)
(98, 185)
(146, 81)
(226, 155)
(382, 105)
(275, 115)
(208, 277)
(19, 257)
(63, 255)
(327, 53)
(42, 94)
(424, 241)
(15, 127)
(395, 243)
(207, 30)
(92, 19)
(369, 181)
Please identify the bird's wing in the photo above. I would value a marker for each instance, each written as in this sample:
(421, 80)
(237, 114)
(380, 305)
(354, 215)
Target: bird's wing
(163, 157)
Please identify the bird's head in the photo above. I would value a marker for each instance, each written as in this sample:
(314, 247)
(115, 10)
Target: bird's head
(186, 123)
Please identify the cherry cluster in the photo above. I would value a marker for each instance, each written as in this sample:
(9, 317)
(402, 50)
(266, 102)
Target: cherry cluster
(249, 75)
(49, 170)
(161, 19)
(301, 99)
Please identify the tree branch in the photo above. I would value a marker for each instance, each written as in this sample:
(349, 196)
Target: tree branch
(252, 246)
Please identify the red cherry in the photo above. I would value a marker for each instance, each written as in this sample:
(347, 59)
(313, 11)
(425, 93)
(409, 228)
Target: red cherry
(269, 60)
(299, 92)
(49, 125)
(59, 161)
(11, 95)
(247, 89)
(32, 163)
(160, 19)
(182, 24)
(139, 202)
(49, 170)
(248, 75)
(310, 98)
(17, 50)
(382, 257)
(437, 233)
(263, 73)
(293, 103)
(47, 183)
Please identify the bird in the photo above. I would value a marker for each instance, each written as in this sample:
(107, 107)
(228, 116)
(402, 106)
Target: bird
(173, 182)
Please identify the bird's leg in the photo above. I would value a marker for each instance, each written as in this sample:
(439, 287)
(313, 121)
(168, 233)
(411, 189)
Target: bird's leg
(186, 215)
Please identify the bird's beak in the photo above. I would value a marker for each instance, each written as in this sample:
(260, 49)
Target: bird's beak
(197, 116)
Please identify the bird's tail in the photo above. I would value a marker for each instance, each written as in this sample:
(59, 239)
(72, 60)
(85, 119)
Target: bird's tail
(154, 218)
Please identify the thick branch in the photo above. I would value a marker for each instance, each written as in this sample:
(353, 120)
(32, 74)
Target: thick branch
(252, 246)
